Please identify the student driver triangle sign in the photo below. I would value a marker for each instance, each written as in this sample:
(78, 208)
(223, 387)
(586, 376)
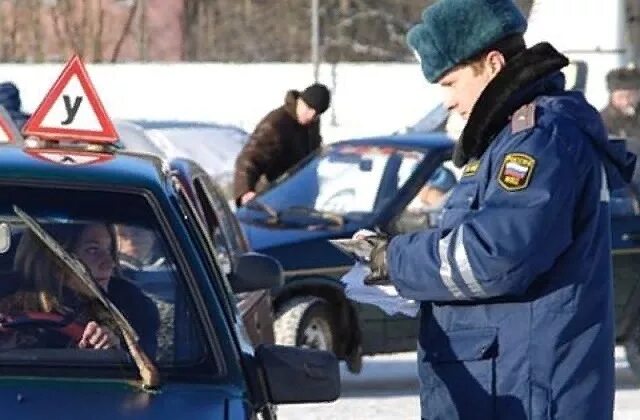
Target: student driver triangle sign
(72, 110)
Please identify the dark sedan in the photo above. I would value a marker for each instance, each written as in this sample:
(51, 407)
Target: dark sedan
(396, 183)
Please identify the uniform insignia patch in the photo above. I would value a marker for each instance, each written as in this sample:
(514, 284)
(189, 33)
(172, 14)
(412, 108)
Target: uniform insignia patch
(516, 170)
(471, 168)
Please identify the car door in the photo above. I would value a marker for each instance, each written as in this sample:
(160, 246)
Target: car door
(625, 241)
(230, 243)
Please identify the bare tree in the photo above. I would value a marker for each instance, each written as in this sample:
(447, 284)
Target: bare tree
(126, 29)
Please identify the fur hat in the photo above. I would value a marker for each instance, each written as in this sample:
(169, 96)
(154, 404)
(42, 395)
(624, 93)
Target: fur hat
(453, 31)
(624, 78)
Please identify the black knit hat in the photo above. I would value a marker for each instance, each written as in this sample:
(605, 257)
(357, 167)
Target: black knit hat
(317, 96)
(624, 78)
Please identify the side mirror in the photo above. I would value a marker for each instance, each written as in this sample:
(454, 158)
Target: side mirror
(255, 271)
(296, 375)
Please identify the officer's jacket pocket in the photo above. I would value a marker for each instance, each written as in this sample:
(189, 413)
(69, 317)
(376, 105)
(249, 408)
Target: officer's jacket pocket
(461, 374)
(462, 345)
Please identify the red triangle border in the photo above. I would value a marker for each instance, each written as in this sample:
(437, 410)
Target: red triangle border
(33, 127)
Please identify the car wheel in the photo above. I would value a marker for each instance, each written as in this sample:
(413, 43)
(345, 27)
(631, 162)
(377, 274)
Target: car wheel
(305, 322)
(632, 347)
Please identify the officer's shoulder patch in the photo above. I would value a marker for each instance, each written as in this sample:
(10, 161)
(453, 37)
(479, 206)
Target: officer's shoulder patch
(471, 168)
(524, 118)
(515, 171)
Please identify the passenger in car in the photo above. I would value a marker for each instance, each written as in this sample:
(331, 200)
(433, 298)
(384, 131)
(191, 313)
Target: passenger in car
(48, 287)
(137, 248)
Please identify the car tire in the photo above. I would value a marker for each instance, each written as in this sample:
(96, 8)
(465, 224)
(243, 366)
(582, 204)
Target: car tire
(305, 322)
(632, 348)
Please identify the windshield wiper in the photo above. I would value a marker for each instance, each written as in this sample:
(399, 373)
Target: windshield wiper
(256, 204)
(148, 371)
(326, 215)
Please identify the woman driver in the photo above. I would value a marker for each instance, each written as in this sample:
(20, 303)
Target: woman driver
(50, 288)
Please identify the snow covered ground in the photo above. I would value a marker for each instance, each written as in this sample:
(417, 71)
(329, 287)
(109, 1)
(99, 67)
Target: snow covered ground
(387, 389)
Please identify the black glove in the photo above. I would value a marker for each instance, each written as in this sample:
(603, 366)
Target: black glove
(378, 260)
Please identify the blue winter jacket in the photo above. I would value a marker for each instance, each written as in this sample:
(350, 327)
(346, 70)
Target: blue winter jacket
(10, 99)
(516, 283)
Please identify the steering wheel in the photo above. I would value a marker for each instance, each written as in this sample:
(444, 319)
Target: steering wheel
(48, 321)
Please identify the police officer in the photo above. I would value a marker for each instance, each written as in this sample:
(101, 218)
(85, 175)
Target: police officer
(515, 283)
(621, 115)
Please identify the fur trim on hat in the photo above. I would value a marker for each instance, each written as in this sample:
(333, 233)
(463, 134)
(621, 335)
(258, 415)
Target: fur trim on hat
(453, 31)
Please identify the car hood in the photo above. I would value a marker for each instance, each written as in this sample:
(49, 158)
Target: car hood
(263, 237)
(35, 398)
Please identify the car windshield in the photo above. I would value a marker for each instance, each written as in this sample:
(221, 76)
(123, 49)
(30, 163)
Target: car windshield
(347, 180)
(46, 313)
(133, 138)
(214, 148)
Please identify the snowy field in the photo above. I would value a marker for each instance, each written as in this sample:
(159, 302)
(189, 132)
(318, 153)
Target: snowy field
(387, 389)
(368, 99)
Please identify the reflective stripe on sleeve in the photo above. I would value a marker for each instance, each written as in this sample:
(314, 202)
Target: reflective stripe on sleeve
(604, 187)
(445, 266)
(464, 265)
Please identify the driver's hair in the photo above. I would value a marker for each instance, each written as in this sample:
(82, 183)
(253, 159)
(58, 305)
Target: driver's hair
(41, 270)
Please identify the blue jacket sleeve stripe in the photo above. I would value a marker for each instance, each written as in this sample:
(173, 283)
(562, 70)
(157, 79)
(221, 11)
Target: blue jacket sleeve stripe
(445, 266)
(604, 187)
(464, 266)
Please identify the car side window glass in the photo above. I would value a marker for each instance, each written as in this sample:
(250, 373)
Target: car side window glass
(128, 250)
(206, 246)
(229, 224)
(423, 211)
(224, 253)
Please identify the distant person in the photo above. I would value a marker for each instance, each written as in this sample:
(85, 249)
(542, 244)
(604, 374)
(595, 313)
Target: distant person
(621, 114)
(283, 138)
(10, 100)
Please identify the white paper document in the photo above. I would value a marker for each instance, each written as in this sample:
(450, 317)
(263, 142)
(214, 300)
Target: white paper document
(384, 297)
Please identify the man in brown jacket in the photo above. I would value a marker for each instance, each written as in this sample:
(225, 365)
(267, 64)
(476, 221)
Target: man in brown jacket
(282, 139)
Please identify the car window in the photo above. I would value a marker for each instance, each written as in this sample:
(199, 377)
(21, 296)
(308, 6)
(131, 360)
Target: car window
(624, 202)
(423, 210)
(44, 306)
(133, 139)
(230, 226)
(217, 226)
(213, 148)
(206, 248)
(348, 180)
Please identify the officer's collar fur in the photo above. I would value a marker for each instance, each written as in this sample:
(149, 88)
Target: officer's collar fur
(290, 102)
(513, 87)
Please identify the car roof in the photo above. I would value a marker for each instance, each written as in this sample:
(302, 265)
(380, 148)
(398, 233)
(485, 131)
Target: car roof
(122, 169)
(423, 141)
(161, 124)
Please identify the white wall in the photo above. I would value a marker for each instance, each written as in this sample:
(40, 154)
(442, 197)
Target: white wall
(369, 99)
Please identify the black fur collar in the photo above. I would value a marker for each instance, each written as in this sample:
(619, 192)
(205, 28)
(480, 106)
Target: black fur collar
(513, 87)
